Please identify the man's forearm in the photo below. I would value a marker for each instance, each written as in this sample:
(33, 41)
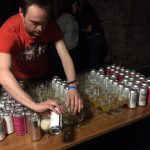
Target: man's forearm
(66, 60)
(69, 69)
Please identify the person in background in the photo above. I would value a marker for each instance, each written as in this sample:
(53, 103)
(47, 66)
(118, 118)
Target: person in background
(92, 38)
(70, 29)
(24, 40)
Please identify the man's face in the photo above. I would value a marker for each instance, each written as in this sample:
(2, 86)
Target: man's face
(35, 20)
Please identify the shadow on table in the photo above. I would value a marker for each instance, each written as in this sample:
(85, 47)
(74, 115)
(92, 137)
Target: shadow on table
(69, 131)
(131, 137)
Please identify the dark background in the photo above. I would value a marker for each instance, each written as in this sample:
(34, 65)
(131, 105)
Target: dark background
(126, 25)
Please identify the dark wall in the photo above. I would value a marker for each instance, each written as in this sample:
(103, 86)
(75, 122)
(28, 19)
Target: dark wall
(127, 28)
(7, 8)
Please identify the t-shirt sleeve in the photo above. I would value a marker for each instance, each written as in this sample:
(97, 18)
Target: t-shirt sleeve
(7, 41)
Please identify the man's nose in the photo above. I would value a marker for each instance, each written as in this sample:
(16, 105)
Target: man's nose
(39, 27)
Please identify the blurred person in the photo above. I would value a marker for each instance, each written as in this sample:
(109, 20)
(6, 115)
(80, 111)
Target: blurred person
(70, 30)
(24, 40)
(92, 38)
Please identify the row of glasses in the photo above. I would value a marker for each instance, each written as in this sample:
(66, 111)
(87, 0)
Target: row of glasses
(102, 91)
(56, 90)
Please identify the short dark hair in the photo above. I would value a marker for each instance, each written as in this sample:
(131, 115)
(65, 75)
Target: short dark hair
(24, 4)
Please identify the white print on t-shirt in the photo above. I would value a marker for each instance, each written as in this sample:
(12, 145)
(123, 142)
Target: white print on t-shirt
(33, 52)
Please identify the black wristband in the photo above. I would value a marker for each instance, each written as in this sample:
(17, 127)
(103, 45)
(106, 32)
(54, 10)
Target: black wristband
(71, 82)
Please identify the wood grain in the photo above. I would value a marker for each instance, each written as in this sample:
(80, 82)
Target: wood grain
(94, 127)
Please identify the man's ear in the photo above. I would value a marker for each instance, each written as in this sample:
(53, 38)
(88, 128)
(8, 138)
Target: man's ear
(20, 11)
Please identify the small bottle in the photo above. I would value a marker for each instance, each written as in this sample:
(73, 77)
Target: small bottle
(55, 123)
(133, 98)
(8, 121)
(2, 129)
(35, 128)
(28, 114)
(45, 122)
(19, 123)
(142, 97)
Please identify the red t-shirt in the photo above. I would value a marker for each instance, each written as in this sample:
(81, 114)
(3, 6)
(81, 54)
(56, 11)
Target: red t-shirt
(28, 56)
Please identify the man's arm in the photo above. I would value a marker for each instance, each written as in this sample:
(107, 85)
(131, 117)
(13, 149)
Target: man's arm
(66, 60)
(10, 84)
(75, 100)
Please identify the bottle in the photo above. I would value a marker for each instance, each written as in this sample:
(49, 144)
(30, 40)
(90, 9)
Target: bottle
(35, 127)
(2, 129)
(55, 123)
(8, 121)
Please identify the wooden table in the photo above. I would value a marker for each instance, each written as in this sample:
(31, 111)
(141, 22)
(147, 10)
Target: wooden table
(92, 128)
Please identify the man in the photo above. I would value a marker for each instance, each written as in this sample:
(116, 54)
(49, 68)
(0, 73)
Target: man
(21, 39)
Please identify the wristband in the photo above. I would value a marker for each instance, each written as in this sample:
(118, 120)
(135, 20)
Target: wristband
(71, 82)
(72, 87)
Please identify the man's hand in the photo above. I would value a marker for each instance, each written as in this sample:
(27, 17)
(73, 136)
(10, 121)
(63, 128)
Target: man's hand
(48, 104)
(74, 100)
